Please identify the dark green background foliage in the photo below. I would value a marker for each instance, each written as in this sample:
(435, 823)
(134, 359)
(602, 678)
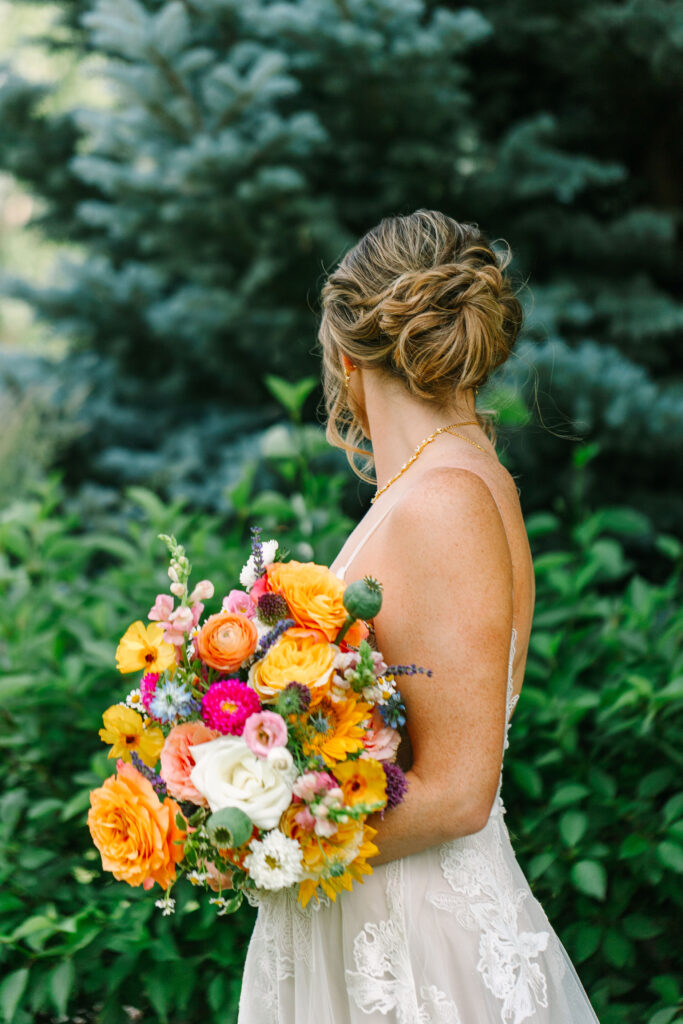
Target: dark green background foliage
(250, 143)
(593, 772)
(246, 146)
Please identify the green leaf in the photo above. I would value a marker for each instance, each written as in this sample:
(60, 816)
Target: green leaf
(61, 985)
(11, 991)
(664, 1016)
(527, 778)
(638, 926)
(617, 948)
(569, 794)
(589, 877)
(586, 941)
(671, 856)
(540, 864)
(291, 396)
(77, 804)
(633, 846)
(573, 826)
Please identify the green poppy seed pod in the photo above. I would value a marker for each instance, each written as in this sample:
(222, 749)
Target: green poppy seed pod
(229, 827)
(363, 598)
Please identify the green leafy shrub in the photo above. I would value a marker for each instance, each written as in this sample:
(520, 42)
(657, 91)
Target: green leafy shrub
(592, 789)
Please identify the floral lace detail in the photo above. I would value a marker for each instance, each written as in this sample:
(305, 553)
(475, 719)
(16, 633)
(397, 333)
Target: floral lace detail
(383, 979)
(484, 898)
(281, 937)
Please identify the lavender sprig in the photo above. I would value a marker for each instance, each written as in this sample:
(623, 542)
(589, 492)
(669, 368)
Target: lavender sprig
(257, 551)
(271, 636)
(407, 670)
(158, 784)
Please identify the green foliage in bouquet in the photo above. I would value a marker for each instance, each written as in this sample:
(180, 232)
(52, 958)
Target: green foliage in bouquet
(592, 779)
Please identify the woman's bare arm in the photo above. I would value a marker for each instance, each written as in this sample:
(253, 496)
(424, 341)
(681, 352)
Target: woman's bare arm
(447, 578)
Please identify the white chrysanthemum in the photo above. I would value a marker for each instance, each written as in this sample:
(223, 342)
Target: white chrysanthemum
(248, 575)
(275, 861)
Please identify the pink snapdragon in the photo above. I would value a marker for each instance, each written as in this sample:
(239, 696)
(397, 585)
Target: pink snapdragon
(161, 609)
(202, 592)
(263, 731)
(239, 601)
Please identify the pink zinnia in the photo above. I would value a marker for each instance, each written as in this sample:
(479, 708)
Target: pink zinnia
(227, 705)
(148, 685)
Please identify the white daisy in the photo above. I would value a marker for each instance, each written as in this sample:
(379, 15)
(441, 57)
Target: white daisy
(275, 861)
(134, 699)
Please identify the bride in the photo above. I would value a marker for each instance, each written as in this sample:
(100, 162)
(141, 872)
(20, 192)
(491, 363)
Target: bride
(445, 930)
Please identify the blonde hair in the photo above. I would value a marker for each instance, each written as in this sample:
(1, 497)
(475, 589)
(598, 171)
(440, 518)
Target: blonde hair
(423, 298)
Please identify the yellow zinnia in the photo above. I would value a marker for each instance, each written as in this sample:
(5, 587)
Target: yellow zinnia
(334, 728)
(126, 731)
(363, 781)
(144, 647)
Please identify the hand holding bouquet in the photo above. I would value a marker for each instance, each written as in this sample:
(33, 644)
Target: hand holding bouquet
(259, 739)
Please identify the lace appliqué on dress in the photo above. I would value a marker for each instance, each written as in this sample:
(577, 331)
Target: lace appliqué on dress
(383, 980)
(484, 898)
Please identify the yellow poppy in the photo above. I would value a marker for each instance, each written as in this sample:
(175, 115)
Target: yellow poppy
(144, 647)
(126, 731)
(363, 782)
(334, 729)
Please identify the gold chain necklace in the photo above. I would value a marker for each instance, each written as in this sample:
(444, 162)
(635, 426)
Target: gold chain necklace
(421, 447)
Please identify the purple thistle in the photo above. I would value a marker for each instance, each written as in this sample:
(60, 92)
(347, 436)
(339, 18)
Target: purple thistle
(407, 670)
(158, 784)
(272, 635)
(301, 692)
(397, 784)
(257, 551)
(272, 608)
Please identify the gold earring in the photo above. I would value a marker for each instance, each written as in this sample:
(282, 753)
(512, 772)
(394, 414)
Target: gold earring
(347, 377)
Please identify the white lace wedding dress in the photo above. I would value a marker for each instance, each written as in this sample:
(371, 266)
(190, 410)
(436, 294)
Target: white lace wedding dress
(450, 935)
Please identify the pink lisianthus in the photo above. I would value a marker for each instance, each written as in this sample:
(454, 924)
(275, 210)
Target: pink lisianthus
(308, 785)
(263, 731)
(177, 761)
(305, 819)
(239, 601)
(380, 741)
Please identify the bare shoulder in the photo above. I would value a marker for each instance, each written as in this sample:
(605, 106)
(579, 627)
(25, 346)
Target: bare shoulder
(451, 508)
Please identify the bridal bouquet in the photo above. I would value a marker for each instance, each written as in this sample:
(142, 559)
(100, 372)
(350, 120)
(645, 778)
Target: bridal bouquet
(257, 740)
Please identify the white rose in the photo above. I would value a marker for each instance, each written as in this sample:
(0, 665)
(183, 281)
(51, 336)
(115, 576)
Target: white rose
(229, 774)
(248, 574)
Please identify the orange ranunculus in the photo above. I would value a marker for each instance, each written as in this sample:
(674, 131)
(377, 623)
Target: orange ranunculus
(226, 640)
(299, 656)
(134, 831)
(315, 598)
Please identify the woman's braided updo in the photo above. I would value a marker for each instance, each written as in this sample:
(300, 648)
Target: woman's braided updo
(423, 298)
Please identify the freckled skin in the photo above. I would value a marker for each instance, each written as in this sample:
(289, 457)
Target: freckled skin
(445, 562)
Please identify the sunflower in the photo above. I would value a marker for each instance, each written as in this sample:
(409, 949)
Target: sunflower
(144, 647)
(126, 731)
(334, 729)
(353, 871)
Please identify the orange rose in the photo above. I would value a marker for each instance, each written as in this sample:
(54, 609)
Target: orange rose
(135, 833)
(226, 640)
(299, 656)
(315, 598)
